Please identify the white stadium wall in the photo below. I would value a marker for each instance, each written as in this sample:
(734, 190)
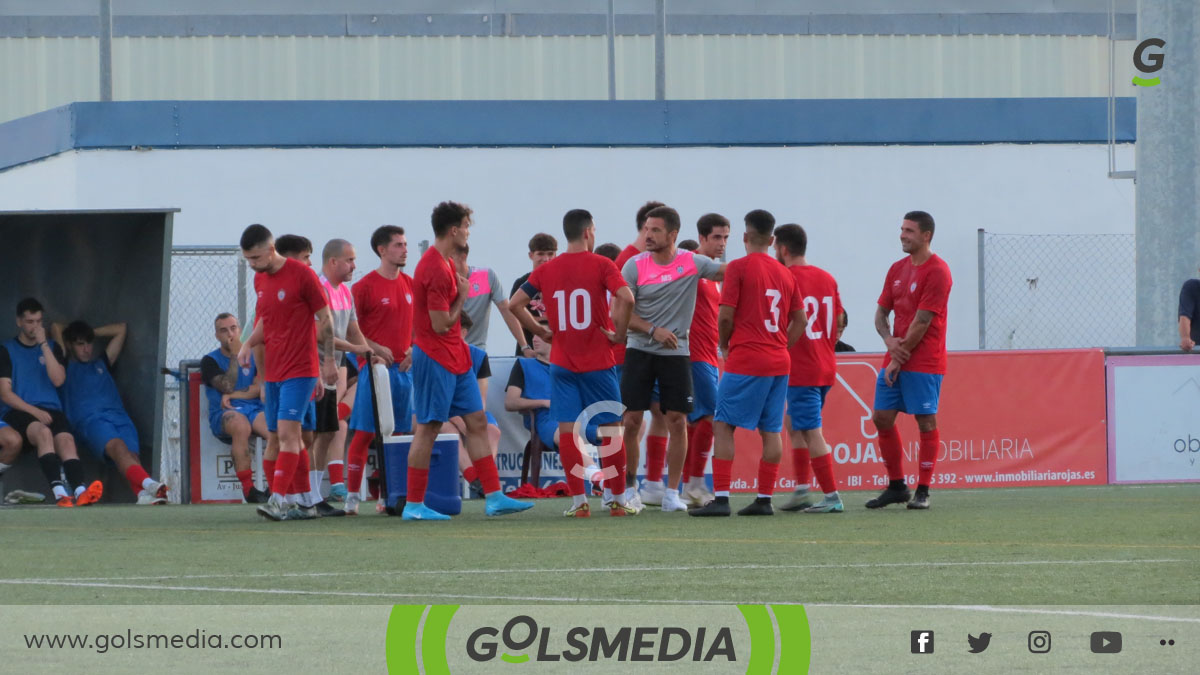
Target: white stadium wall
(849, 198)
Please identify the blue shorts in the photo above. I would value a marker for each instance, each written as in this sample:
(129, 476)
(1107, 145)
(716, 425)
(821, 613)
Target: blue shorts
(362, 418)
(571, 392)
(752, 402)
(546, 426)
(439, 394)
(704, 391)
(804, 406)
(913, 393)
(288, 400)
(100, 428)
(309, 421)
(249, 410)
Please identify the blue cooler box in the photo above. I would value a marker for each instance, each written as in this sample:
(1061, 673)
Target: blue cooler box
(442, 494)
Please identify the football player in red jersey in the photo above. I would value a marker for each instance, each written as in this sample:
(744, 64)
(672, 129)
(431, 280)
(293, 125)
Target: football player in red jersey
(917, 289)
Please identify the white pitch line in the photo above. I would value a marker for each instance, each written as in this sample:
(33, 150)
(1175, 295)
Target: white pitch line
(1015, 610)
(355, 594)
(605, 600)
(621, 570)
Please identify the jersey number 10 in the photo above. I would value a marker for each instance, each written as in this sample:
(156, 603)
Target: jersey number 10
(578, 309)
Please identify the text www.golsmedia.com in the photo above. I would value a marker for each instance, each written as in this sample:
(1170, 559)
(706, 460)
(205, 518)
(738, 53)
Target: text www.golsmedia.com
(198, 639)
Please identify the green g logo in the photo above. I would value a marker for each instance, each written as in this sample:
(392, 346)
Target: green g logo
(1148, 63)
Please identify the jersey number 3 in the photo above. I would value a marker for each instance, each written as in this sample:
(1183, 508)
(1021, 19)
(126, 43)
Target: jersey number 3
(772, 324)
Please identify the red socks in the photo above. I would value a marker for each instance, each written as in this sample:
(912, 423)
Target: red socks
(722, 471)
(822, 468)
(931, 442)
(470, 474)
(767, 473)
(246, 478)
(687, 458)
(281, 477)
(300, 480)
(489, 479)
(893, 455)
(136, 474)
(699, 446)
(418, 479)
(336, 474)
(568, 453)
(617, 461)
(803, 467)
(356, 459)
(656, 457)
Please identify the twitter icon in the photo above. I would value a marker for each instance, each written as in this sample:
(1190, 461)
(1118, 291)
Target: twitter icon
(978, 644)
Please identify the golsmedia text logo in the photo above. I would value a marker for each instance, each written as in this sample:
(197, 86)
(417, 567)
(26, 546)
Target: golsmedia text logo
(593, 643)
(481, 639)
(1148, 62)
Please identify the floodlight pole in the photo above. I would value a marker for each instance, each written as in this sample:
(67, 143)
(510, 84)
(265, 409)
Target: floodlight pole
(660, 50)
(105, 50)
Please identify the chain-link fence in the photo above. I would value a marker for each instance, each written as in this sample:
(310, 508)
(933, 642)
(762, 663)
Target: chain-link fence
(205, 281)
(1048, 291)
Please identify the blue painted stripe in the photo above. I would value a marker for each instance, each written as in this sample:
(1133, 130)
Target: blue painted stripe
(205, 124)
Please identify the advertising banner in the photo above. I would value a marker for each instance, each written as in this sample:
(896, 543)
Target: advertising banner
(1153, 405)
(1011, 418)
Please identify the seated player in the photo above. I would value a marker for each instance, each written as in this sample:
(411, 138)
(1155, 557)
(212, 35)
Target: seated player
(31, 370)
(94, 407)
(235, 409)
(10, 446)
(528, 390)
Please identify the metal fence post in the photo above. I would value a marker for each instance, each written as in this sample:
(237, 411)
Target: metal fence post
(241, 286)
(982, 295)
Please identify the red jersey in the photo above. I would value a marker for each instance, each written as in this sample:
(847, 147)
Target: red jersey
(287, 301)
(813, 363)
(435, 287)
(702, 338)
(623, 257)
(763, 295)
(575, 288)
(909, 288)
(385, 311)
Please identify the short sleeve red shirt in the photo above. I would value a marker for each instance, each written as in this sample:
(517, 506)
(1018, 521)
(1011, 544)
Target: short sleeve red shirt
(435, 287)
(702, 339)
(623, 257)
(287, 301)
(385, 310)
(813, 362)
(763, 295)
(909, 288)
(575, 288)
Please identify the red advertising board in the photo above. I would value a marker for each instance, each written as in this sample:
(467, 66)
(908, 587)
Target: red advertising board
(1011, 418)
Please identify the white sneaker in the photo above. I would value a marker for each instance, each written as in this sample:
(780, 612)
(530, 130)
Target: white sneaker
(652, 492)
(351, 506)
(672, 502)
(633, 500)
(146, 497)
(696, 493)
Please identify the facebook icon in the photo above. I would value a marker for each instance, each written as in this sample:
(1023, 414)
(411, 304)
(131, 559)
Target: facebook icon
(922, 641)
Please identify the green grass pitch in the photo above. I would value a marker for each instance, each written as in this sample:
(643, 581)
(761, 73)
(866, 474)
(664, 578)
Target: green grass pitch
(1081, 545)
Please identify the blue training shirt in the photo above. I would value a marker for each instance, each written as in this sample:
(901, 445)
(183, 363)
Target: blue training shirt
(245, 378)
(26, 367)
(90, 389)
